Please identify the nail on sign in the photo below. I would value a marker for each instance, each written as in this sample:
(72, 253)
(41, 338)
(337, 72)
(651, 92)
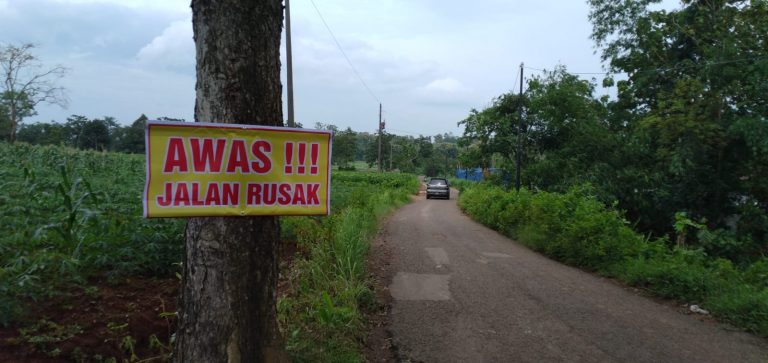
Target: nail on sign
(211, 169)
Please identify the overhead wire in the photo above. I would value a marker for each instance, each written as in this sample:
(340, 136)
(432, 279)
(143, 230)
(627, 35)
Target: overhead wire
(351, 65)
(341, 49)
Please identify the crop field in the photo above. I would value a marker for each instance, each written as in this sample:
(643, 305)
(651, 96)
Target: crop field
(84, 277)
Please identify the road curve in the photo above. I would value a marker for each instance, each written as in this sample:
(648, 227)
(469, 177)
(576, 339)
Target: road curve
(464, 293)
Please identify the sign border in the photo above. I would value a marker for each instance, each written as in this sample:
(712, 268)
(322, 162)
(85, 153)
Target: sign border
(218, 125)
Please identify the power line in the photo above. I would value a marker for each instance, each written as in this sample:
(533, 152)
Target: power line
(344, 53)
(403, 131)
(517, 76)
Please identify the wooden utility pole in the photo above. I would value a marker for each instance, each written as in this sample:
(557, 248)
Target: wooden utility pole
(289, 62)
(230, 270)
(380, 135)
(519, 131)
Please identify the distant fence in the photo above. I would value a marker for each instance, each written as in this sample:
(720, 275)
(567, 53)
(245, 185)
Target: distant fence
(476, 174)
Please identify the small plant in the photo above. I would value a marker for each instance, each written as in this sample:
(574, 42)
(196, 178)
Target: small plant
(91, 291)
(681, 226)
(44, 334)
(128, 344)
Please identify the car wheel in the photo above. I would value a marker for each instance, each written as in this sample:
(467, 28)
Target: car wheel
(427, 196)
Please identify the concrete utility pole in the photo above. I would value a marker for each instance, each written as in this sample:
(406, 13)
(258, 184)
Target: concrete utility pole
(381, 128)
(519, 131)
(289, 61)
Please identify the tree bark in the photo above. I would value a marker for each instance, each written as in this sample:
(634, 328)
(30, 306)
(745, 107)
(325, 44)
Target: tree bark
(231, 264)
(14, 122)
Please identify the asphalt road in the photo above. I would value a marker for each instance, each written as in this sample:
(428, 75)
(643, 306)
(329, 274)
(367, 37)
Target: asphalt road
(464, 293)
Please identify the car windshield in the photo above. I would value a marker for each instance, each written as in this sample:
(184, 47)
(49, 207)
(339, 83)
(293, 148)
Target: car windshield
(437, 182)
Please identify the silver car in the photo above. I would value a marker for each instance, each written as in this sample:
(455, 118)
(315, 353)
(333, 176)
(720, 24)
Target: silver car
(439, 187)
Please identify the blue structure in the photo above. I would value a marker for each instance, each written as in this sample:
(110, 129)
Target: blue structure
(475, 174)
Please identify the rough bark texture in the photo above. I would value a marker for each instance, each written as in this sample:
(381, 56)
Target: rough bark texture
(231, 264)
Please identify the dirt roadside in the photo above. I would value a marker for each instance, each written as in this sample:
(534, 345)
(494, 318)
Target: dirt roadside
(378, 343)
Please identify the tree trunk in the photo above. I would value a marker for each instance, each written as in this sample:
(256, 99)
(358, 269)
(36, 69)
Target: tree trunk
(14, 123)
(231, 264)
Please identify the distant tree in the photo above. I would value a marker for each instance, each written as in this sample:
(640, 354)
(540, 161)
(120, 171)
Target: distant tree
(132, 137)
(344, 147)
(324, 126)
(404, 154)
(493, 131)
(425, 147)
(26, 84)
(372, 150)
(95, 134)
(363, 140)
(443, 160)
(43, 133)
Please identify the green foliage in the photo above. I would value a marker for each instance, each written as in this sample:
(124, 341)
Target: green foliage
(71, 216)
(344, 146)
(461, 184)
(322, 317)
(693, 111)
(576, 228)
(686, 133)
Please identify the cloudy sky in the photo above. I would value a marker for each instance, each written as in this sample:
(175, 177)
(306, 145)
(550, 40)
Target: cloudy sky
(428, 61)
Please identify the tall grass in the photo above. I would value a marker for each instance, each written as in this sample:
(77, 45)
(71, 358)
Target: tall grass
(322, 317)
(577, 229)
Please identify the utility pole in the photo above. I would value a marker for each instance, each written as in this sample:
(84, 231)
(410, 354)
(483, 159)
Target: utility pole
(390, 156)
(380, 132)
(289, 61)
(519, 131)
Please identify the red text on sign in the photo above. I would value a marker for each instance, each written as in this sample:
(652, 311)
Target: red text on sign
(190, 194)
(300, 149)
(283, 194)
(209, 154)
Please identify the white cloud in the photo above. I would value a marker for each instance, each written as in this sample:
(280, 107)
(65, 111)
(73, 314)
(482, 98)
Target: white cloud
(444, 91)
(174, 48)
(444, 86)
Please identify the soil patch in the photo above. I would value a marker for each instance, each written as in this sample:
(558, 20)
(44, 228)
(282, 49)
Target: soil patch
(132, 320)
(378, 343)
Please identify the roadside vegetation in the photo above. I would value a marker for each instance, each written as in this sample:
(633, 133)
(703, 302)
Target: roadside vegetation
(76, 248)
(69, 217)
(329, 291)
(576, 228)
(663, 186)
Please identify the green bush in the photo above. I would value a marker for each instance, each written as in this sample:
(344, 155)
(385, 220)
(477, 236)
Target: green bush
(577, 229)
